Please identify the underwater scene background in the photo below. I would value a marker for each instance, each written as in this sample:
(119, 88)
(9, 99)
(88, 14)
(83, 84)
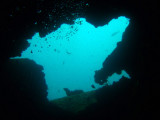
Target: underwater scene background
(78, 59)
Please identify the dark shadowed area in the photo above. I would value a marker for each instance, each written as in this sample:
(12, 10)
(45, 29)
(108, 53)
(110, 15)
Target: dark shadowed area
(25, 92)
(23, 88)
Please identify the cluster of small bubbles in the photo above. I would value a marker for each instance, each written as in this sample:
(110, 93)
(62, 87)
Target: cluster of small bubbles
(62, 11)
(19, 9)
(50, 17)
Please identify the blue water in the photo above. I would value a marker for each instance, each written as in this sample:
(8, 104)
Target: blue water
(71, 54)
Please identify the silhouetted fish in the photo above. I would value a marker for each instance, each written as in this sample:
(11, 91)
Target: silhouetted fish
(68, 52)
(115, 33)
(92, 86)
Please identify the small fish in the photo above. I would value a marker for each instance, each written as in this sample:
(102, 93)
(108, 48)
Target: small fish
(115, 33)
(68, 52)
(92, 86)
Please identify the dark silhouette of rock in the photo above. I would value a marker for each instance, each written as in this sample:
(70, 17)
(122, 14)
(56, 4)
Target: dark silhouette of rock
(24, 92)
(75, 92)
(77, 102)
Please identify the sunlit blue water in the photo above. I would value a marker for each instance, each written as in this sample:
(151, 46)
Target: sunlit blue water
(71, 54)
